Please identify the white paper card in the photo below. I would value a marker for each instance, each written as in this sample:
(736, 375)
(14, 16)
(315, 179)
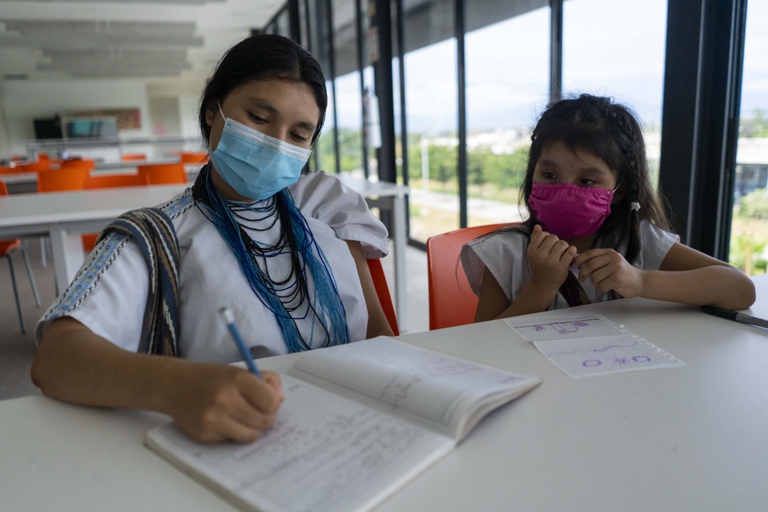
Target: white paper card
(589, 344)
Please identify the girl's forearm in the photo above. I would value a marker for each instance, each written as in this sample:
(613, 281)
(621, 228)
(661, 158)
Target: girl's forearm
(715, 285)
(532, 299)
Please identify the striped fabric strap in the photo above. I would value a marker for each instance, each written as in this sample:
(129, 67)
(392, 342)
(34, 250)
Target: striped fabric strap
(153, 231)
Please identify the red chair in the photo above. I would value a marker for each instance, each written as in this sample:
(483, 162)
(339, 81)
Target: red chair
(451, 300)
(6, 248)
(382, 291)
(164, 173)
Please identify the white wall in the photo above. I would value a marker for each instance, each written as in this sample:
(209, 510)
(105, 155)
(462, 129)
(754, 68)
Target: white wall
(24, 100)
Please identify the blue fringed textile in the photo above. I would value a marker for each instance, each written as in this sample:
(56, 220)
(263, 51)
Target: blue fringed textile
(153, 231)
(325, 303)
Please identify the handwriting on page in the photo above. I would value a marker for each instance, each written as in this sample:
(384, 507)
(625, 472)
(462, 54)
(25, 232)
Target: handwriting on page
(322, 454)
(590, 344)
(422, 382)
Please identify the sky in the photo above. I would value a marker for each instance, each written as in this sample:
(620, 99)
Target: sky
(610, 48)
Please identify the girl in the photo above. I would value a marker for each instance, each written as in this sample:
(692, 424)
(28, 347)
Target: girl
(285, 251)
(596, 231)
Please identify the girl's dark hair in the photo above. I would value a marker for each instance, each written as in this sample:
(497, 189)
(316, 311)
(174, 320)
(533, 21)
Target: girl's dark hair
(263, 57)
(611, 132)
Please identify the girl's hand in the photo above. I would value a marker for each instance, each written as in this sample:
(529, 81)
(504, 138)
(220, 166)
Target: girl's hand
(610, 271)
(549, 258)
(214, 402)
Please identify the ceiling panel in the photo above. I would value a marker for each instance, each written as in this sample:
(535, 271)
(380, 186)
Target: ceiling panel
(42, 39)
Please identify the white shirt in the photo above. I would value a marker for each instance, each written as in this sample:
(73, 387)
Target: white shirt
(504, 254)
(110, 291)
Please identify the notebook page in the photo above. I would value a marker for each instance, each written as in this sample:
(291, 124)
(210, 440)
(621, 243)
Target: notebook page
(588, 344)
(325, 453)
(439, 388)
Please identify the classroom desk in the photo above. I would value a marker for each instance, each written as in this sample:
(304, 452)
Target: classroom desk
(691, 438)
(66, 215)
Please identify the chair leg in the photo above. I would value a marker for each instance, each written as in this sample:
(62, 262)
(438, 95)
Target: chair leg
(42, 252)
(16, 295)
(31, 276)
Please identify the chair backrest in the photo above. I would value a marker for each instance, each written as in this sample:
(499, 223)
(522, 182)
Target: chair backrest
(382, 291)
(451, 300)
(77, 164)
(127, 157)
(164, 173)
(63, 179)
(193, 158)
(115, 180)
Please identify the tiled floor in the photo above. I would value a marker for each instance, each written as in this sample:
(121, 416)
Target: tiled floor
(17, 350)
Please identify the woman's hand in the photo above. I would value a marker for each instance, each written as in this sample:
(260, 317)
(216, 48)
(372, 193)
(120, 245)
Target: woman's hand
(609, 270)
(214, 402)
(550, 259)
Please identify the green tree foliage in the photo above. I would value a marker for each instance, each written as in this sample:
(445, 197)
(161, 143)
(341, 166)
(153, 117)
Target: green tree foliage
(754, 205)
(756, 127)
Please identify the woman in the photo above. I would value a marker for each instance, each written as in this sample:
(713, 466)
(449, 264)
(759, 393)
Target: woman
(286, 252)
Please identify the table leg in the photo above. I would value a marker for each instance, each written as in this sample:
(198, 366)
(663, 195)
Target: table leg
(67, 252)
(398, 213)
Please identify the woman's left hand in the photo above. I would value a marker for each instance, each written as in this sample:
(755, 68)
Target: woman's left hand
(610, 271)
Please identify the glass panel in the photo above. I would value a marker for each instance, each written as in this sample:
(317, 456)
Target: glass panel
(431, 110)
(324, 147)
(349, 98)
(505, 92)
(617, 49)
(282, 24)
(749, 229)
(318, 42)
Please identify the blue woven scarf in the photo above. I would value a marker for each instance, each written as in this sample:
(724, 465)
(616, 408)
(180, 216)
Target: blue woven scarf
(155, 235)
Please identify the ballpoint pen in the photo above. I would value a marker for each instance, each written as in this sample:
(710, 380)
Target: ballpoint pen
(735, 315)
(229, 319)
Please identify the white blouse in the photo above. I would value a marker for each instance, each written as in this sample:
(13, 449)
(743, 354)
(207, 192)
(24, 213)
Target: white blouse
(109, 294)
(504, 253)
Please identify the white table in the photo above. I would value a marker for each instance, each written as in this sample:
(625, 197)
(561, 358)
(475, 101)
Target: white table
(691, 438)
(66, 215)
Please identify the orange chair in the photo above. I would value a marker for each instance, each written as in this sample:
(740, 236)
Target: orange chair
(127, 157)
(109, 181)
(69, 178)
(164, 173)
(451, 300)
(382, 291)
(6, 248)
(115, 180)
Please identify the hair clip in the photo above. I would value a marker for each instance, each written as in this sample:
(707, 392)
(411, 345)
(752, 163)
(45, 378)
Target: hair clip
(634, 205)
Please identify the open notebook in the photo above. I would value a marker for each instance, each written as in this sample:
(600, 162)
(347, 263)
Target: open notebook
(359, 421)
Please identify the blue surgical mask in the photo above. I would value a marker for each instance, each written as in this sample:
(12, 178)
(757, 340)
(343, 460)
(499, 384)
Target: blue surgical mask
(256, 165)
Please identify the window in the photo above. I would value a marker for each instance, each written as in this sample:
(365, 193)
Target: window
(507, 67)
(349, 99)
(749, 228)
(431, 97)
(617, 49)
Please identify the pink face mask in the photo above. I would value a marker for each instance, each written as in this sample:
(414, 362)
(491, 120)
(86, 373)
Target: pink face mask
(569, 211)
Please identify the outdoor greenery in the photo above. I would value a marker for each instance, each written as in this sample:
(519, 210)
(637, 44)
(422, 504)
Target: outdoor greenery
(755, 127)
(749, 233)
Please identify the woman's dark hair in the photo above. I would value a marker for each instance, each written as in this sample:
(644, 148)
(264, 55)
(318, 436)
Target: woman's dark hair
(609, 131)
(263, 57)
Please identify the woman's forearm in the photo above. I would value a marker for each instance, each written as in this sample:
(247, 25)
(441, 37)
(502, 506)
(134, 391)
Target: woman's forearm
(77, 366)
